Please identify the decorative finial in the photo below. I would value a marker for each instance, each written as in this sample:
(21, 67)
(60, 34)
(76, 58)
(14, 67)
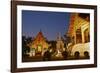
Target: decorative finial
(40, 30)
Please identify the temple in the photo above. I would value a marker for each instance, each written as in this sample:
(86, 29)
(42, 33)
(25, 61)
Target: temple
(39, 44)
(79, 28)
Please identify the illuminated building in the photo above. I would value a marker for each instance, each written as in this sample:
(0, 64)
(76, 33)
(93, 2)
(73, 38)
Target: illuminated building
(79, 32)
(79, 28)
(39, 44)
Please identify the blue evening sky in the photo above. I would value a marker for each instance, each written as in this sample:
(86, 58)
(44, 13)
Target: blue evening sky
(50, 23)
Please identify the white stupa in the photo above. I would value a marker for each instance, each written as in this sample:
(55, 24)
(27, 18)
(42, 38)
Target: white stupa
(59, 45)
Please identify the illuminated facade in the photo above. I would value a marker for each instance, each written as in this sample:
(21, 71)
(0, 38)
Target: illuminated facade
(79, 28)
(39, 44)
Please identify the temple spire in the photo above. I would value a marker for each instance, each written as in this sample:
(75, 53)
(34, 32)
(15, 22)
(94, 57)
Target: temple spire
(40, 30)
